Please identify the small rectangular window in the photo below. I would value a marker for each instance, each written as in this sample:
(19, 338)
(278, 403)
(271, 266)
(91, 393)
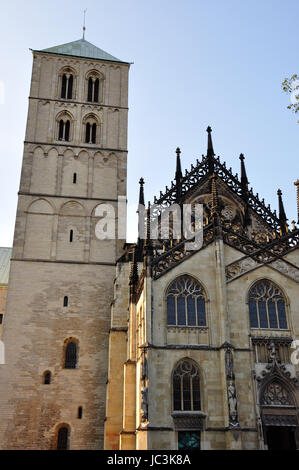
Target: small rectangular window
(188, 440)
(1, 318)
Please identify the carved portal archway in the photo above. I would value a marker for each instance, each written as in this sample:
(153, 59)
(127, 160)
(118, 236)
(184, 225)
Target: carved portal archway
(278, 407)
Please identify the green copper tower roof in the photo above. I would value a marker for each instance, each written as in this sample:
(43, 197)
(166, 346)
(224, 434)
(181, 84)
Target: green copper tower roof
(81, 48)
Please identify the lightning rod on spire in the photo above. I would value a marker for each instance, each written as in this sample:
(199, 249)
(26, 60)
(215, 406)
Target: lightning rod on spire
(84, 28)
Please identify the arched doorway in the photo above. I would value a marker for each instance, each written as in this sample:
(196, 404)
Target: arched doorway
(279, 414)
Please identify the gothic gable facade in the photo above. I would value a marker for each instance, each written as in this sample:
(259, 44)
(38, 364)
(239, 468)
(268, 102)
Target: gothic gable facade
(203, 340)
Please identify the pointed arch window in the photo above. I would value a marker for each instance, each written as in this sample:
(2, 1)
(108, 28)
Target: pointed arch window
(70, 355)
(186, 387)
(186, 303)
(267, 306)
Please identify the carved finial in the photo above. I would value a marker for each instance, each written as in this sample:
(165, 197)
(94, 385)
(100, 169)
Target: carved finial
(178, 173)
(244, 185)
(141, 192)
(297, 186)
(282, 215)
(133, 273)
(210, 151)
(148, 242)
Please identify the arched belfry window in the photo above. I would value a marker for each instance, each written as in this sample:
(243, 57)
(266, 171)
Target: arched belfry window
(267, 306)
(94, 87)
(62, 438)
(64, 127)
(186, 303)
(67, 79)
(91, 126)
(71, 353)
(186, 386)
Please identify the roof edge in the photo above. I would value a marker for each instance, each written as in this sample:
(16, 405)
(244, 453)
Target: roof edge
(80, 57)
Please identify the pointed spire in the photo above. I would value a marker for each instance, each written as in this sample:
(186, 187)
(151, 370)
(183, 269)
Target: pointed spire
(133, 273)
(141, 192)
(244, 185)
(148, 249)
(282, 215)
(178, 174)
(210, 151)
(244, 180)
(141, 225)
(297, 186)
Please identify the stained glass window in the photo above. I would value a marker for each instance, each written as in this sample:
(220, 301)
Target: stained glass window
(186, 387)
(267, 306)
(186, 305)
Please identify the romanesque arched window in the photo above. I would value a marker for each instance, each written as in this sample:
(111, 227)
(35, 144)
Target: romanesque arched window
(94, 86)
(66, 83)
(267, 306)
(62, 438)
(186, 386)
(70, 355)
(67, 86)
(90, 124)
(186, 304)
(47, 378)
(64, 126)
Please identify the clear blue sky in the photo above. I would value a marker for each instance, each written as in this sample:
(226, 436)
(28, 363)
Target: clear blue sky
(196, 63)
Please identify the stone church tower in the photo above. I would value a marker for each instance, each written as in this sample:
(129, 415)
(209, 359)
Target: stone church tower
(53, 385)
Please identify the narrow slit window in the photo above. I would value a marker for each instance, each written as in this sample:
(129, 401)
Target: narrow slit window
(96, 90)
(70, 87)
(67, 131)
(94, 133)
(80, 412)
(63, 86)
(74, 178)
(47, 378)
(71, 236)
(65, 301)
(90, 87)
(87, 135)
(61, 129)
